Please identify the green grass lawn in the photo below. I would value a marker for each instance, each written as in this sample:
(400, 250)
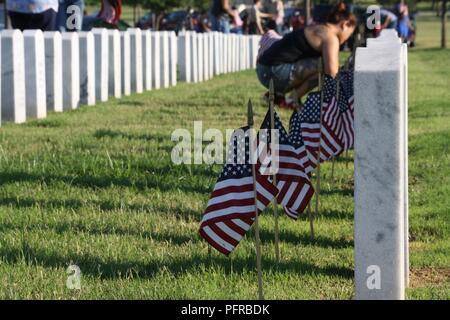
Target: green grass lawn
(96, 187)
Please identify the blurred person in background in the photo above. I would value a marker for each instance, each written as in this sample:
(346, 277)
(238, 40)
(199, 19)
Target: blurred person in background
(279, 15)
(404, 23)
(33, 14)
(237, 23)
(110, 11)
(70, 15)
(220, 15)
(254, 18)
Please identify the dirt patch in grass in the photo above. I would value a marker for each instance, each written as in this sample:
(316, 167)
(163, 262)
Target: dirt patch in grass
(429, 277)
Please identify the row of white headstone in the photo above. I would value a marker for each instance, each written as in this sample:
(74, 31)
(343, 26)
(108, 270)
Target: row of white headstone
(52, 71)
(204, 55)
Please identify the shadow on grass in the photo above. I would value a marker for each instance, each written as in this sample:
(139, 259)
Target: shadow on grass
(117, 268)
(142, 183)
(303, 239)
(74, 204)
(108, 133)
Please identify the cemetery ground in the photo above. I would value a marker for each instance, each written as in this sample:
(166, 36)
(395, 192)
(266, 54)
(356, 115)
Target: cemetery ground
(96, 187)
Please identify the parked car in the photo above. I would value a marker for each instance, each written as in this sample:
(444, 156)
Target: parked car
(145, 22)
(175, 21)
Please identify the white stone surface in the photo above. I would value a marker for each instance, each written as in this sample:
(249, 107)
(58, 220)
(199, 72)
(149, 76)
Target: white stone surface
(229, 53)
(200, 53)
(156, 56)
(125, 66)
(53, 70)
(147, 58)
(115, 61)
(87, 68)
(216, 53)
(71, 70)
(211, 54)
(173, 58)
(13, 76)
(225, 53)
(101, 63)
(194, 56)
(184, 56)
(381, 170)
(136, 59)
(205, 56)
(165, 70)
(35, 88)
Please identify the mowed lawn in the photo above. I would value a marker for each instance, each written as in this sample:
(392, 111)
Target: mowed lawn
(96, 187)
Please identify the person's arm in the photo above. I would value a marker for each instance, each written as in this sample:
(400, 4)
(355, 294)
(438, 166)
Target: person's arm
(226, 8)
(330, 54)
(258, 21)
(386, 22)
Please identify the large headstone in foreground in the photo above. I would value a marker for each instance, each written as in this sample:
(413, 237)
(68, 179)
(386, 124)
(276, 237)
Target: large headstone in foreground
(147, 59)
(36, 104)
(381, 174)
(184, 56)
(13, 76)
(101, 63)
(53, 70)
(115, 62)
(71, 70)
(87, 67)
(125, 65)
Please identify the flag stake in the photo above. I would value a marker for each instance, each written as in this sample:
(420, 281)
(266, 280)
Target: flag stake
(257, 238)
(320, 139)
(333, 158)
(274, 178)
(311, 222)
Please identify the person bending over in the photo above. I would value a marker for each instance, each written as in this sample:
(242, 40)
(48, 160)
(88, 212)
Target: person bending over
(292, 62)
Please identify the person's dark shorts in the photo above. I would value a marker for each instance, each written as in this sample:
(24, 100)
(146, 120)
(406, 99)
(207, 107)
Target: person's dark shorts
(281, 75)
(46, 21)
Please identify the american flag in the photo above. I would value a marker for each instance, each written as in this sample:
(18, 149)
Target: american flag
(231, 207)
(346, 108)
(330, 144)
(293, 184)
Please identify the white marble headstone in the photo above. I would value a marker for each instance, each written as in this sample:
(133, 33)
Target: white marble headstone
(101, 63)
(381, 170)
(211, 54)
(125, 65)
(184, 56)
(115, 64)
(194, 56)
(35, 84)
(200, 52)
(173, 61)
(87, 67)
(13, 76)
(216, 53)
(136, 59)
(53, 70)
(165, 71)
(147, 58)
(71, 70)
(156, 56)
(205, 56)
